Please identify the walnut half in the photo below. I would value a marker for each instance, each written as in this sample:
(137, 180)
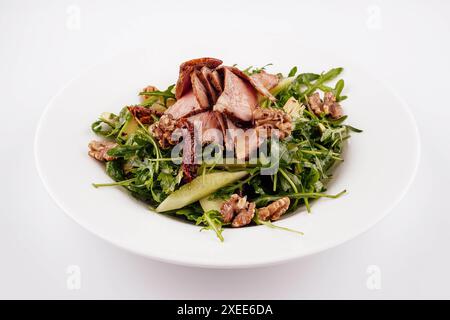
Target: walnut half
(328, 106)
(163, 130)
(274, 210)
(238, 211)
(99, 150)
(269, 119)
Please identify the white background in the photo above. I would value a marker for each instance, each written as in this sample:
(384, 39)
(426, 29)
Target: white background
(42, 47)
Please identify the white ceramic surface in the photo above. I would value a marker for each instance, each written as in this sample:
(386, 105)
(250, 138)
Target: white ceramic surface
(380, 164)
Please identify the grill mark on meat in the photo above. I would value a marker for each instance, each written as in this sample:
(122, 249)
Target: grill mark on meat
(186, 68)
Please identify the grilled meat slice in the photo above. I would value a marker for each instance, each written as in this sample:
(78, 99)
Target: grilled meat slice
(199, 90)
(185, 106)
(242, 143)
(238, 99)
(204, 74)
(189, 165)
(268, 80)
(216, 81)
(254, 81)
(186, 68)
(207, 127)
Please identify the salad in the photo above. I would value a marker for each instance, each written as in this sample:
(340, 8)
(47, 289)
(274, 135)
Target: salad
(226, 147)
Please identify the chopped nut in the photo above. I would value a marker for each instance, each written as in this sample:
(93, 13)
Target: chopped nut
(229, 207)
(274, 210)
(333, 107)
(315, 103)
(268, 119)
(148, 89)
(244, 216)
(328, 107)
(163, 130)
(99, 149)
(238, 211)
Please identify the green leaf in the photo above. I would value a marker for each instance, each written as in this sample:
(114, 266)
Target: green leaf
(306, 78)
(114, 169)
(353, 129)
(125, 151)
(212, 220)
(338, 89)
(331, 74)
(292, 72)
(189, 213)
(273, 226)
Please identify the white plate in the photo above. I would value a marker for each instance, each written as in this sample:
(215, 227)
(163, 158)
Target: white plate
(379, 164)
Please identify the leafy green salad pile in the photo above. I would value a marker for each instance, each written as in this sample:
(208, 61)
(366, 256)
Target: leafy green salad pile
(305, 165)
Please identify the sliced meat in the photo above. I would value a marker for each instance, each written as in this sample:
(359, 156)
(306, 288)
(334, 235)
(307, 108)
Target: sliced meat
(221, 123)
(207, 126)
(216, 81)
(255, 82)
(185, 106)
(189, 165)
(204, 75)
(238, 99)
(241, 142)
(199, 90)
(268, 80)
(230, 134)
(186, 68)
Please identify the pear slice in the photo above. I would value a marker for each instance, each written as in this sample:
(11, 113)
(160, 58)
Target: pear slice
(199, 188)
(210, 204)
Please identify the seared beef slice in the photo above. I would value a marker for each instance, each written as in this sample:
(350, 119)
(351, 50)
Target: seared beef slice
(238, 99)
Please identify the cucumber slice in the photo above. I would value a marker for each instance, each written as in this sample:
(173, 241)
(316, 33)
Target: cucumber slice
(199, 188)
(210, 204)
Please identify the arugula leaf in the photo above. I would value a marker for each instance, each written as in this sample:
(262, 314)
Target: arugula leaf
(273, 226)
(189, 213)
(292, 72)
(251, 70)
(114, 169)
(338, 89)
(212, 220)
